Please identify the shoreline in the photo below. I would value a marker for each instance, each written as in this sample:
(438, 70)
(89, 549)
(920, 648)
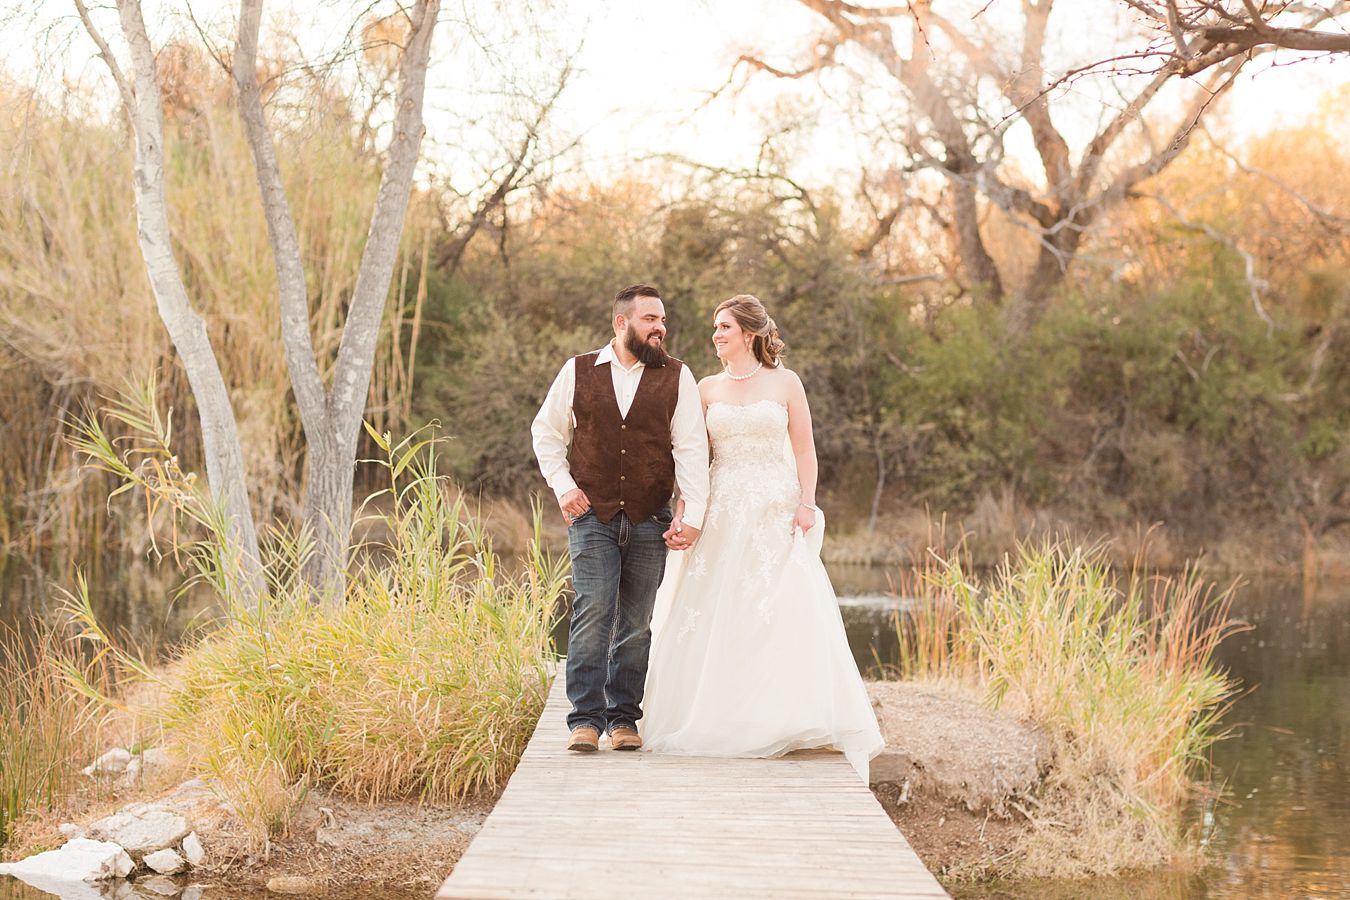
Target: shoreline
(949, 793)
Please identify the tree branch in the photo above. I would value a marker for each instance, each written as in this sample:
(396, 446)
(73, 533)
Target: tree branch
(293, 300)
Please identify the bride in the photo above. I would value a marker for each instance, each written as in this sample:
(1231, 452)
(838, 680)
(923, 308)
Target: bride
(749, 655)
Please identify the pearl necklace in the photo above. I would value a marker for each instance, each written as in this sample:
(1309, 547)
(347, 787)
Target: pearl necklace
(751, 374)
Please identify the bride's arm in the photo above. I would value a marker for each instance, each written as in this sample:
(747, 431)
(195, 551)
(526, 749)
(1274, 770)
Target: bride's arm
(804, 451)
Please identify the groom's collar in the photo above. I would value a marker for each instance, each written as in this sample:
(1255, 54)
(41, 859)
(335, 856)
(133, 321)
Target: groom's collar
(606, 355)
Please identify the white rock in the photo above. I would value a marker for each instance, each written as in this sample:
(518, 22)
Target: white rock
(142, 829)
(110, 763)
(165, 862)
(293, 884)
(156, 758)
(131, 774)
(70, 830)
(193, 892)
(193, 849)
(158, 884)
(69, 870)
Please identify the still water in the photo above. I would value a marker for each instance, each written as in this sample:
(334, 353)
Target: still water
(1280, 829)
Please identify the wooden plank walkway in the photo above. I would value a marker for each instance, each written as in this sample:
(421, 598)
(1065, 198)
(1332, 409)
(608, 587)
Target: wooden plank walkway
(649, 825)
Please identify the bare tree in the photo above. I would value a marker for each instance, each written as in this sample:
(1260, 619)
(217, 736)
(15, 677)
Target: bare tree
(225, 472)
(330, 414)
(951, 129)
(1194, 35)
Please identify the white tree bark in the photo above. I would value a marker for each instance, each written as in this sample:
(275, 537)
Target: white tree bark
(332, 418)
(225, 470)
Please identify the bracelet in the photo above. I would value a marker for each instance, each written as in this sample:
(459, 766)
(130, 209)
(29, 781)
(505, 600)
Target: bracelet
(809, 506)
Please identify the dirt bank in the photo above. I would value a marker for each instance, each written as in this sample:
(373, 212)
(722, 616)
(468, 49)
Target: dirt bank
(953, 775)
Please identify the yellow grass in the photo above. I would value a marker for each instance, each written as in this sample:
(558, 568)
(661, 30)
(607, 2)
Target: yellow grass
(1118, 668)
(426, 682)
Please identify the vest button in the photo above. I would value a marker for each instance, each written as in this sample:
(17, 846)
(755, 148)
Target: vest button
(621, 503)
(623, 451)
(623, 477)
(623, 427)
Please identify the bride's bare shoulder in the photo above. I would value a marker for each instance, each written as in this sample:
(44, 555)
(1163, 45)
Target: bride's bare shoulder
(708, 386)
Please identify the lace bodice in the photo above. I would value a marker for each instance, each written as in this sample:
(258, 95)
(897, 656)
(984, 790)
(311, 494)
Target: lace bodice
(748, 434)
(753, 482)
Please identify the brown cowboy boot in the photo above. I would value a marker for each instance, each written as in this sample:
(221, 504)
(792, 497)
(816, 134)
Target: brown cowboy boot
(584, 739)
(625, 738)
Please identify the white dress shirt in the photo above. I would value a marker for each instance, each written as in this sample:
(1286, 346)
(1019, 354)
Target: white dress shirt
(553, 426)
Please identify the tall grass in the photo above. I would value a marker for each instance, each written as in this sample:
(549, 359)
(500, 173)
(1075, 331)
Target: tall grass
(48, 728)
(425, 683)
(1118, 668)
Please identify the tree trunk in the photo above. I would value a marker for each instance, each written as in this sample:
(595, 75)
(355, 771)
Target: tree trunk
(329, 493)
(225, 471)
(332, 417)
(1057, 252)
(975, 259)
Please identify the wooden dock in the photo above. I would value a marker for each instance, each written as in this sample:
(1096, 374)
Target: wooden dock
(646, 825)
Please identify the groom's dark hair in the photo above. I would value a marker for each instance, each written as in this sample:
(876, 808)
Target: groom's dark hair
(624, 299)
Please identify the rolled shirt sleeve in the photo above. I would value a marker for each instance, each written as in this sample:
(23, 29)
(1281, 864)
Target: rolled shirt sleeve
(552, 431)
(689, 445)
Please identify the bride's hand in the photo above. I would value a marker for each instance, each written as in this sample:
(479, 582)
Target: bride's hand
(680, 536)
(804, 520)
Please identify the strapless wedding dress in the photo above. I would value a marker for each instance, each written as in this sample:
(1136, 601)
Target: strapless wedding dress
(749, 655)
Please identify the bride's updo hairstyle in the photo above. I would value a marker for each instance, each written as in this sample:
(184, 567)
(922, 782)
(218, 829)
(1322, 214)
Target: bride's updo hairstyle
(750, 314)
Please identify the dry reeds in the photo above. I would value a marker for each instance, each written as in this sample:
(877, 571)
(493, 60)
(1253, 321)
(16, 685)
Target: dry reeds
(48, 727)
(75, 304)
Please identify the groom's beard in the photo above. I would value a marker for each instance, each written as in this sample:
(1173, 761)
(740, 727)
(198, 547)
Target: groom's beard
(649, 353)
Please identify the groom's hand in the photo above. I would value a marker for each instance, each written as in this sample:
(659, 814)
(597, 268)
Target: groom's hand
(680, 536)
(573, 503)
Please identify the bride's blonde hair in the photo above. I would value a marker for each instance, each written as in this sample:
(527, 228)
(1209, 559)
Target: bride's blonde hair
(754, 319)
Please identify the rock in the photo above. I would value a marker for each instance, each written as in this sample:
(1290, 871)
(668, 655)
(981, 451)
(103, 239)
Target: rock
(159, 884)
(79, 862)
(193, 849)
(141, 828)
(293, 884)
(131, 774)
(110, 763)
(953, 748)
(165, 862)
(156, 758)
(70, 830)
(193, 892)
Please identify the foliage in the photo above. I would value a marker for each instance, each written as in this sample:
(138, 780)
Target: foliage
(1150, 389)
(1117, 668)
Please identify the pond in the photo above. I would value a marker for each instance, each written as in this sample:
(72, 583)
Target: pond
(1279, 830)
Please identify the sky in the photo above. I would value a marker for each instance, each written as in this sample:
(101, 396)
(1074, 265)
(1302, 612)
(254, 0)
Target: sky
(646, 69)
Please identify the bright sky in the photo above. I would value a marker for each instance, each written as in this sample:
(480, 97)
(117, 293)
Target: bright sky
(646, 67)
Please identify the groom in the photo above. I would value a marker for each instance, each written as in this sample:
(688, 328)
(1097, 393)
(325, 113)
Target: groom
(634, 421)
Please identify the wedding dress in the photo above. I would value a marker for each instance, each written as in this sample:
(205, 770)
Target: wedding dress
(749, 655)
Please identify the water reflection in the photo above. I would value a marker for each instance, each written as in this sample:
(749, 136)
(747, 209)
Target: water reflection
(1278, 831)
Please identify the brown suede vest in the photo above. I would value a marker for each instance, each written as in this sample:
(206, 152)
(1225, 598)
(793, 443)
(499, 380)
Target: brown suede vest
(624, 463)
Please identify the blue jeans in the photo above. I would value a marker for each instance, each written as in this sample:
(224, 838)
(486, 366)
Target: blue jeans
(616, 568)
